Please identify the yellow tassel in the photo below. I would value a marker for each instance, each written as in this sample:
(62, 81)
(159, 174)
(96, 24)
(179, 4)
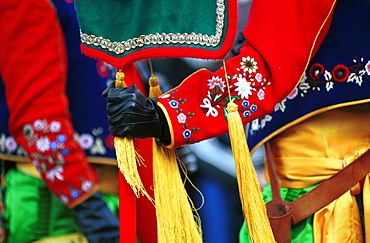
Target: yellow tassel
(174, 209)
(154, 88)
(175, 219)
(127, 157)
(249, 189)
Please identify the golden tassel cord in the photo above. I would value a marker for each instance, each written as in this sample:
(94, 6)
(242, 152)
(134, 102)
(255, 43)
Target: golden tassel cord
(254, 209)
(176, 221)
(249, 189)
(127, 156)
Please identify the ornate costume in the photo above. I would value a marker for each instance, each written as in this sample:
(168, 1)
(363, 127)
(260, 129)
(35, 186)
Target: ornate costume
(52, 115)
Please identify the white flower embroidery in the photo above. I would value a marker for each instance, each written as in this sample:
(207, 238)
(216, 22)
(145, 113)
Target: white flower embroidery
(165, 96)
(39, 125)
(181, 118)
(248, 64)
(258, 77)
(11, 144)
(43, 144)
(261, 94)
(216, 81)
(244, 87)
(55, 173)
(55, 126)
(86, 141)
(86, 186)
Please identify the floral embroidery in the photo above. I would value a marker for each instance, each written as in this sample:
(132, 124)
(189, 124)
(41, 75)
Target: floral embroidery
(244, 88)
(56, 172)
(318, 77)
(243, 84)
(186, 133)
(86, 141)
(92, 142)
(86, 185)
(248, 64)
(182, 117)
(367, 67)
(339, 74)
(174, 104)
(10, 144)
(216, 81)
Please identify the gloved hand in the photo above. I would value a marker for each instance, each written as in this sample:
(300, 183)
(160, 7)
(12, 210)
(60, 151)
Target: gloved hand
(96, 221)
(130, 113)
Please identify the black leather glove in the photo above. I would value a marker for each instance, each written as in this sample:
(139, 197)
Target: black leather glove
(96, 221)
(130, 113)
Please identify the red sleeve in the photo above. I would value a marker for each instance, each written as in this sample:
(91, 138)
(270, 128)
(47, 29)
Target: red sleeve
(33, 67)
(281, 39)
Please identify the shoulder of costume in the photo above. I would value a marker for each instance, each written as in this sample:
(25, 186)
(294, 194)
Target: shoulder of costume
(337, 76)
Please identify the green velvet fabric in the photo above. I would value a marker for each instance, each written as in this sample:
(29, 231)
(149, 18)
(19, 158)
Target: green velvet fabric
(32, 212)
(301, 232)
(121, 20)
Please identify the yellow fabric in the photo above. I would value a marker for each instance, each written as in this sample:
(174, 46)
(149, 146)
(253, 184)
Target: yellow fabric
(107, 174)
(69, 238)
(28, 169)
(316, 149)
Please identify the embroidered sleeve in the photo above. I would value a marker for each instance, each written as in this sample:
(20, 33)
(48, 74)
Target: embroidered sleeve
(33, 68)
(280, 43)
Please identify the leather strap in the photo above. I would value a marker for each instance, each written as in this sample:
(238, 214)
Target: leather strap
(331, 189)
(327, 191)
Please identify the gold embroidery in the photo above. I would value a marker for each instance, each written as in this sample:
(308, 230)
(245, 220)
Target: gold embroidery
(164, 38)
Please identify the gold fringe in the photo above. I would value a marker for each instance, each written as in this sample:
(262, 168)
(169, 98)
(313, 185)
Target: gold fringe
(174, 209)
(175, 219)
(249, 189)
(127, 156)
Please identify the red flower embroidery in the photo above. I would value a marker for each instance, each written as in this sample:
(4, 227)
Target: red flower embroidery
(109, 141)
(315, 70)
(340, 73)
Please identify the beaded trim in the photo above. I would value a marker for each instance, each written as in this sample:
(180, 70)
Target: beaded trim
(164, 38)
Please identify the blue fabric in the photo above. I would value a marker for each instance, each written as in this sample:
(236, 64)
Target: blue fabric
(347, 44)
(96, 221)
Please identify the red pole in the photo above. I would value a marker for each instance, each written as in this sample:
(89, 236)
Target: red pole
(127, 211)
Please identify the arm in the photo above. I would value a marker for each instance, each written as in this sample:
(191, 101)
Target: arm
(33, 67)
(281, 39)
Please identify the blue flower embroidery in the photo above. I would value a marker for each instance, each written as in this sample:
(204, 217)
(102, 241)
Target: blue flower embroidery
(64, 152)
(61, 138)
(174, 104)
(186, 133)
(245, 103)
(53, 145)
(246, 113)
(253, 108)
(75, 194)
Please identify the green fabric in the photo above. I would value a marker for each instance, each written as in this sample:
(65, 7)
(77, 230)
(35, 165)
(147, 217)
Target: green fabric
(123, 20)
(33, 212)
(301, 232)
(112, 201)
